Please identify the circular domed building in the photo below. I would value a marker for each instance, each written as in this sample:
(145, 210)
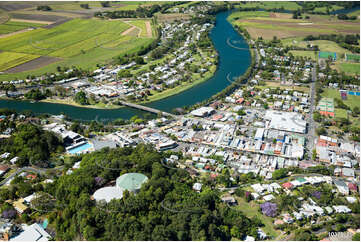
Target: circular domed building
(131, 181)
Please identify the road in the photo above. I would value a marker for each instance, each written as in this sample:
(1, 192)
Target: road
(19, 171)
(41, 171)
(311, 123)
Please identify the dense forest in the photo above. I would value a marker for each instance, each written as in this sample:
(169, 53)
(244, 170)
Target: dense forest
(187, 215)
(31, 144)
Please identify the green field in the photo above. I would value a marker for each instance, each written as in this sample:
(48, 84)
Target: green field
(11, 59)
(352, 101)
(271, 5)
(349, 67)
(12, 26)
(141, 25)
(247, 14)
(79, 42)
(251, 210)
(310, 54)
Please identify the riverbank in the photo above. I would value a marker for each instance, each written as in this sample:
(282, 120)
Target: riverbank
(72, 103)
(180, 88)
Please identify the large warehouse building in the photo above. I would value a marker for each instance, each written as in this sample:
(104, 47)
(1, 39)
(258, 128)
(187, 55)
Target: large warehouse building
(286, 121)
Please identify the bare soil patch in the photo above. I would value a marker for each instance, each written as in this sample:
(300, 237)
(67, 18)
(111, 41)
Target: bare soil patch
(33, 64)
(39, 17)
(56, 23)
(170, 17)
(31, 21)
(8, 6)
(149, 29)
(129, 31)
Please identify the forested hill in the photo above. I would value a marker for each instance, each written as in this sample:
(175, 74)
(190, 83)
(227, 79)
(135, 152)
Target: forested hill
(191, 216)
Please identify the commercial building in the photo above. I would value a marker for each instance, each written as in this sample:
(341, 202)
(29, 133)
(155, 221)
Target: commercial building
(286, 121)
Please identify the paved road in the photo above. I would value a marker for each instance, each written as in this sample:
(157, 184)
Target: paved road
(41, 171)
(311, 123)
(28, 169)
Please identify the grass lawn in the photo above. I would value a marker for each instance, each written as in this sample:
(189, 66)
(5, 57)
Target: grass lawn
(349, 67)
(277, 84)
(180, 88)
(352, 101)
(340, 113)
(310, 54)
(355, 13)
(251, 209)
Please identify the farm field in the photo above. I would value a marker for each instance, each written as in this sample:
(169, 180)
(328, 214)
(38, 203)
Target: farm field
(81, 42)
(11, 59)
(267, 25)
(12, 26)
(271, 5)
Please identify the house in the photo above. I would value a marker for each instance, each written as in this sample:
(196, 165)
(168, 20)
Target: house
(348, 172)
(20, 207)
(229, 200)
(197, 187)
(3, 169)
(287, 218)
(352, 187)
(287, 185)
(341, 209)
(341, 187)
(33, 232)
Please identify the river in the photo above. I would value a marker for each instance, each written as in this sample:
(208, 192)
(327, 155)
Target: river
(232, 61)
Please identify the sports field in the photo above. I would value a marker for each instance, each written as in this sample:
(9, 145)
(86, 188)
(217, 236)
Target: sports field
(349, 67)
(81, 42)
(352, 100)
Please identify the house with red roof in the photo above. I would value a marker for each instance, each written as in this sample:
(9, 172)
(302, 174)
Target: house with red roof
(287, 185)
(352, 186)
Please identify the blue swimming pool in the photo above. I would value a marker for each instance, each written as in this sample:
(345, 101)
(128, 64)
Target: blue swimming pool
(354, 93)
(80, 148)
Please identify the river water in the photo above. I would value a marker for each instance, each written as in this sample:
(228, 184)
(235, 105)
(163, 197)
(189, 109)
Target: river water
(232, 61)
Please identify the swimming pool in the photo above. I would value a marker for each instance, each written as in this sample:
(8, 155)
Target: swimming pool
(80, 149)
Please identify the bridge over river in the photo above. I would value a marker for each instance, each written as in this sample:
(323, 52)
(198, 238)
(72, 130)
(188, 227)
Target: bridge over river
(148, 109)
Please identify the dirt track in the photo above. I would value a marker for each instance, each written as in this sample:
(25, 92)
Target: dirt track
(149, 29)
(30, 21)
(128, 31)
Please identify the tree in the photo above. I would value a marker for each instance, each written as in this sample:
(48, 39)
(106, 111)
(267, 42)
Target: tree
(105, 4)
(314, 154)
(139, 60)
(356, 237)
(81, 98)
(280, 173)
(84, 5)
(43, 8)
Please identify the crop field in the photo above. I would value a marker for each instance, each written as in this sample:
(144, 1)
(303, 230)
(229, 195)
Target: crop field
(82, 42)
(12, 26)
(271, 5)
(267, 25)
(141, 25)
(11, 59)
